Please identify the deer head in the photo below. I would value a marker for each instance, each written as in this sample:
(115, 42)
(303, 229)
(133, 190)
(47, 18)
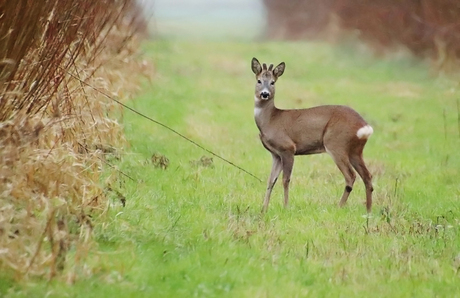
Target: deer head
(266, 79)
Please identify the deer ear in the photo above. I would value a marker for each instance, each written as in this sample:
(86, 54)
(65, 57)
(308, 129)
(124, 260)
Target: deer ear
(279, 70)
(256, 67)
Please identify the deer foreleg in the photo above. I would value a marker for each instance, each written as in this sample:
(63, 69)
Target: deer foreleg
(288, 163)
(276, 170)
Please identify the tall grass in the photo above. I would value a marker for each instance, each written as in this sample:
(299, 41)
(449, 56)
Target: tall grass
(56, 132)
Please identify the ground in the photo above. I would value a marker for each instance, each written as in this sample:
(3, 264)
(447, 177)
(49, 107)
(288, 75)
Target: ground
(192, 226)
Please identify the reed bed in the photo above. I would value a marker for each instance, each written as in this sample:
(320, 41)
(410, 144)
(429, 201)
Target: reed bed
(57, 128)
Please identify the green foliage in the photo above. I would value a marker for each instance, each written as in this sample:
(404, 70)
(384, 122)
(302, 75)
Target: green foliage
(196, 230)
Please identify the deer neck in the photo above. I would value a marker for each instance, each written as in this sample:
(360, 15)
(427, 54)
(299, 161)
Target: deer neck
(263, 112)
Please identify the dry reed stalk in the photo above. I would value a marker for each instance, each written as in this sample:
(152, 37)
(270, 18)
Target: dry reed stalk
(54, 130)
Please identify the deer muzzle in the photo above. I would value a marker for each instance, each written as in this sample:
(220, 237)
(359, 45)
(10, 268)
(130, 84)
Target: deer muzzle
(264, 94)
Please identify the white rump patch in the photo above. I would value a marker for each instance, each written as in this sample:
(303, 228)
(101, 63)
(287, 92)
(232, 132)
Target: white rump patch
(364, 132)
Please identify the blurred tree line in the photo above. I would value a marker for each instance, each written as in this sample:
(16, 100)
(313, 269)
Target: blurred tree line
(428, 28)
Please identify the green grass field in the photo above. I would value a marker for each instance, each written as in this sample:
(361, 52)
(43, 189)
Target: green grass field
(195, 228)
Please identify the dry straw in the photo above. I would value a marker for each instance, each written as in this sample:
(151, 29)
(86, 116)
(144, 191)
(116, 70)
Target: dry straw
(55, 131)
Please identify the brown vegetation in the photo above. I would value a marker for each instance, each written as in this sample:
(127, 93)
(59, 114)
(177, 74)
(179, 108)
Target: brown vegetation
(428, 28)
(54, 129)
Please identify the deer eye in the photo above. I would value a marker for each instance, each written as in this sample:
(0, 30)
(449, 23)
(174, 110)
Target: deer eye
(259, 82)
(272, 83)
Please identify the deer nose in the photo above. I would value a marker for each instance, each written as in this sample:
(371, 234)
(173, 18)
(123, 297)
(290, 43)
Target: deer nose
(264, 94)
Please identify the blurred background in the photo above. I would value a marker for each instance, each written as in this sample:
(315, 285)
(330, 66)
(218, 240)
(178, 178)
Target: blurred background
(427, 28)
(206, 18)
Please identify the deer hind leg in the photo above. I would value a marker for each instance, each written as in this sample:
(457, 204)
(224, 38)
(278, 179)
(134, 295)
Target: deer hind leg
(350, 176)
(276, 170)
(342, 161)
(358, 163)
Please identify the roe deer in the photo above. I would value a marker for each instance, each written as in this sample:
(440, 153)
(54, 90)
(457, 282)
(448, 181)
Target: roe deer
(337, 130)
